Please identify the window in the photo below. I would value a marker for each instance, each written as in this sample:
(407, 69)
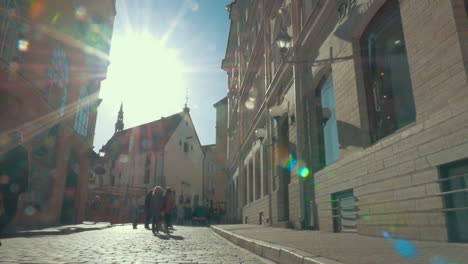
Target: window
(186, 147)
(386, 73)
(344, 211)
(112, 180)
(82, 113)
(258, 186)
(195, 200)
(147, 176)
(466, 7)
(58, 74)
(454, 183)
(10, 26)
(330, 126)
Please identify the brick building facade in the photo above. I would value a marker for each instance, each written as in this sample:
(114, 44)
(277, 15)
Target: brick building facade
(53, 57)
(373, 135)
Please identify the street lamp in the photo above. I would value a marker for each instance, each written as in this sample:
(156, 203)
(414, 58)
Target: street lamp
(284, 41)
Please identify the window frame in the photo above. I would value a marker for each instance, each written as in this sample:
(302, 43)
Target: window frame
(389, 12)
(82, 113)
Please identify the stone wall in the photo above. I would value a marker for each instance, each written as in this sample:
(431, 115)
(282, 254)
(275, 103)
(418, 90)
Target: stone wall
(395, 179)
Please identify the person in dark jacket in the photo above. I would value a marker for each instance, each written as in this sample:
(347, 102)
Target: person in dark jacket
(169, 204)
(148, 211)
(157, 207)
(14, 173)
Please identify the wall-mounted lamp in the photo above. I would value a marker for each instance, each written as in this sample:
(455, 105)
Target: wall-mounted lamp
(260, 134)
(276, 112)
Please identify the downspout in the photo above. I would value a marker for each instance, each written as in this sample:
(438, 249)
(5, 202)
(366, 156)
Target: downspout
(203, 178)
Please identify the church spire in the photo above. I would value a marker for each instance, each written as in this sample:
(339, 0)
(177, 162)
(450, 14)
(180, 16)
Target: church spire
(186, 108)
(119, 125)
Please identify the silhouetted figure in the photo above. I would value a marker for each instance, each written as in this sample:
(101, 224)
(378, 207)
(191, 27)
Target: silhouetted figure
(14, 171)
(157, 206)
(148, 210)
(169, 204)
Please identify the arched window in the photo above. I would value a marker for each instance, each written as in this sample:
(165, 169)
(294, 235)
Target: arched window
(59, 68)
(387, 78)
(11, 13)
(82, 114)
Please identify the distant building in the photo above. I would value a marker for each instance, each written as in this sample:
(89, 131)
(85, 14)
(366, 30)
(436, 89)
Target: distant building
(209, 172)
(166, 152)
(53, 57)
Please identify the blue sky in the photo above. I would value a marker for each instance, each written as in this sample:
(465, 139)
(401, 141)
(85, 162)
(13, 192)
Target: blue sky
(151, 40)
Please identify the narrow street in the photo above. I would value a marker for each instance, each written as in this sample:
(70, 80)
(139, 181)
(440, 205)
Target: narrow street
(122, 244)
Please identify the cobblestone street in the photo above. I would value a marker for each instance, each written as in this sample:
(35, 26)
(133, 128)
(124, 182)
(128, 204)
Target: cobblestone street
(122, 244)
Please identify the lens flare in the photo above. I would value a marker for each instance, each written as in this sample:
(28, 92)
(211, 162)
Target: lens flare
(4, 179)
(386, 235)
(30, 210)
(405, 248)
(80, 12)
(37, 7)
(249, 104)
(55, 18)
(304, 172)
(23, 45)
(367, 217)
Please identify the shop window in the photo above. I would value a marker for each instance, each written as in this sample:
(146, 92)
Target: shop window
(454, 186)
(386, 73)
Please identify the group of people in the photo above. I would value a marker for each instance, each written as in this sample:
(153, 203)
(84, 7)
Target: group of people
(159, 207)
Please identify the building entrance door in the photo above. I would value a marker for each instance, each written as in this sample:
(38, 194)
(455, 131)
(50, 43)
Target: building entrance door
(68, 215)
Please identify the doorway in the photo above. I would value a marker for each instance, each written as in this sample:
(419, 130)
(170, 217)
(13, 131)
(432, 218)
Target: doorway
(68, 215)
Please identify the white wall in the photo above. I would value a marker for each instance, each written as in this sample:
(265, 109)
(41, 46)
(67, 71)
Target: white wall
(184, 166)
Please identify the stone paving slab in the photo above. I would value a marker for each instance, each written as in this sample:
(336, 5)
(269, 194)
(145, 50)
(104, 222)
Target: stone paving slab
(324, 247)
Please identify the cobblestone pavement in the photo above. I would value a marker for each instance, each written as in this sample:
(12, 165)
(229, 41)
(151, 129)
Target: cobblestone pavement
(122, 244)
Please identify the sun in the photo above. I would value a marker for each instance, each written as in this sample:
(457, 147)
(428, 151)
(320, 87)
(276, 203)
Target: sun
(147, 75)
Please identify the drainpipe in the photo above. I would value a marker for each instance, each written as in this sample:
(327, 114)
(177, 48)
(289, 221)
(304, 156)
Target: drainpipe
(203, 179)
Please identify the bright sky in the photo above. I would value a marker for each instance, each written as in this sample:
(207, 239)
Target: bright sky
(159, 49)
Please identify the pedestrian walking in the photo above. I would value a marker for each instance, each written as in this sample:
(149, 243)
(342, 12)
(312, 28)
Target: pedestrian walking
(148, 210)
(180, 215)
(157, 207)
(169, 204)
(136, 212)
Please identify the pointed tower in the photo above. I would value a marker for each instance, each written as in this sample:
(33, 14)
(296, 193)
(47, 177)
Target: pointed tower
(119, 125)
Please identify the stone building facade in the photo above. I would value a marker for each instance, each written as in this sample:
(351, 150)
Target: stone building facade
(53, 57)
(377, 131)
(221, 185)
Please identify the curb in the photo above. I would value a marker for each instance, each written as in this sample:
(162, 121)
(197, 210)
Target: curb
(275, 253)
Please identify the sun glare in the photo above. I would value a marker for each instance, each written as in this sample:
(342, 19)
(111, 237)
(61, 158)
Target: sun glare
(147, 75)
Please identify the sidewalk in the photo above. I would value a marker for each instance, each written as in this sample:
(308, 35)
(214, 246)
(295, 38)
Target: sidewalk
(304, 247)
(59, 230)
